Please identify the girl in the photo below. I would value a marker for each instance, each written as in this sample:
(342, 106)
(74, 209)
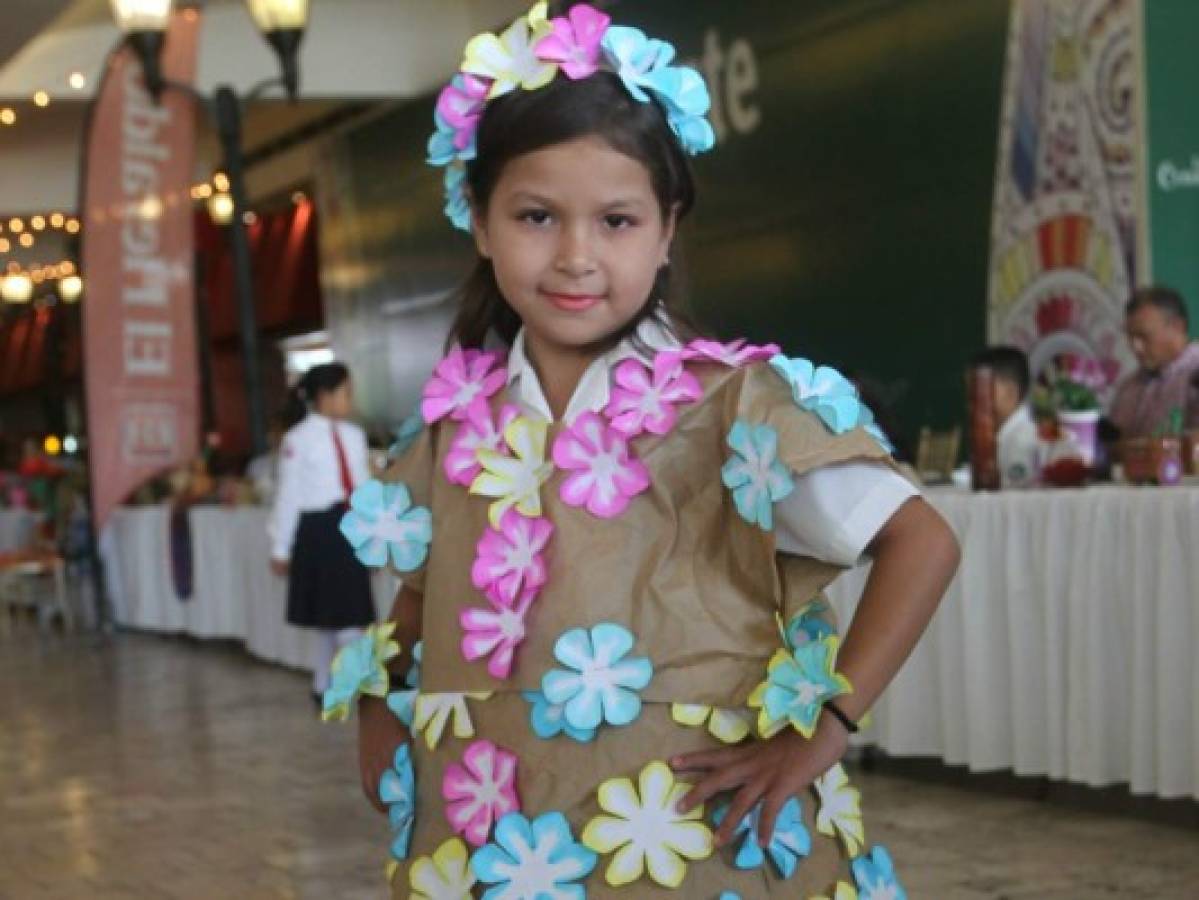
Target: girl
(322, 458)
(629, 684)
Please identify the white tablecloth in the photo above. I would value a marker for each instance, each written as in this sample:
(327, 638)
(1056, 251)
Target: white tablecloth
(235, 594)
(16, 529)
(1066, 645)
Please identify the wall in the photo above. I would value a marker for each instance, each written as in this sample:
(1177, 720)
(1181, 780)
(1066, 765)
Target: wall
(845, 213)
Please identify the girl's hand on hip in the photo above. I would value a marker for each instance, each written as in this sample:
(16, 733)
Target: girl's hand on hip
(771, 771)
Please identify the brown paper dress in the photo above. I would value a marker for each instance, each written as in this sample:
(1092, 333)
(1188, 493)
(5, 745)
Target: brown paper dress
(699, 587)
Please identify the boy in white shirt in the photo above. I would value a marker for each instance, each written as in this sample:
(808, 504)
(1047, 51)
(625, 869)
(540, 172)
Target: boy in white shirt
(1018, 445)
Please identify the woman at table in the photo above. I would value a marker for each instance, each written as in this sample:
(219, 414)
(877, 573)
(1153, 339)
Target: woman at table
(322, 459)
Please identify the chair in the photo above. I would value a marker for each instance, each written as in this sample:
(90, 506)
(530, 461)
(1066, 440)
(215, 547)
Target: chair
(937, 454)
(23, 578)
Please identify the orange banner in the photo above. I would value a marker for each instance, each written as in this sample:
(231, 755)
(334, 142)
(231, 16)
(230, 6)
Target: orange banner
(138, 316)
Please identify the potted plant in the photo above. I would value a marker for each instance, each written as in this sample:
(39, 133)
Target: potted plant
(1157, 459)
(1071, 393)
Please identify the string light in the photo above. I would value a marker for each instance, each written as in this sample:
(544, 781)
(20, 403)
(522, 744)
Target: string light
(16, 287)
(220, 181)
(16, 226)
(70, 288)
(8, 116)
(42, 99)
(26, 240)
(57, 220)
(72, 226)
(77, 81)
(38, 223)
(5, 246)
(220, 207)
(299, 198)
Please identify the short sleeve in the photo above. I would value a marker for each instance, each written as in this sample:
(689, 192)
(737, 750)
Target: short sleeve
(414, 469)
(834, 512)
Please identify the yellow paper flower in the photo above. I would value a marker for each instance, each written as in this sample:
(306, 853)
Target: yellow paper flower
(446, 875)
(360, 667)
(840, 809)
(724, 724)
(515, 481)
(434, 711)
(843, 892)
(645, 830)
(798, 683)
(509, 59)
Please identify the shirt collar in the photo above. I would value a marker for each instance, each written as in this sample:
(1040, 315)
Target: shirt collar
(1020, 419)
(593, 391)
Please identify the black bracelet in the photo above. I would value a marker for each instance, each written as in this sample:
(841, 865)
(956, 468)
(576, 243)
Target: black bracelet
(850, 725)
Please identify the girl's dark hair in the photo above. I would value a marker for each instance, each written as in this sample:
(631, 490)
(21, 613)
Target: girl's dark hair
(316, 381)
(566, 110)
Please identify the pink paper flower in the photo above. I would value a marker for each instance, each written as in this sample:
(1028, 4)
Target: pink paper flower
(604, 476)
(645, 401)
(480, 791)
(495, 633)
(461, 379)
(734, 354)
(477, 431)
(509, 560)
(575, 41)
(460, 105)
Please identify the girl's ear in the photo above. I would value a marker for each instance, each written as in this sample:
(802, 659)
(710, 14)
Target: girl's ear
(668, 231)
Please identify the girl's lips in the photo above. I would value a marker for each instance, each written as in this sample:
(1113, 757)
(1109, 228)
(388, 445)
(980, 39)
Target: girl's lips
(572, 302)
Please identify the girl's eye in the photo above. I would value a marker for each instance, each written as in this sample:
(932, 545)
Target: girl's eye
(534, 216)
(618, 221)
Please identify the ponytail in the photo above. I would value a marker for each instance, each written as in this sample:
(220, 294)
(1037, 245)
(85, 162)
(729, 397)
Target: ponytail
(295, 408)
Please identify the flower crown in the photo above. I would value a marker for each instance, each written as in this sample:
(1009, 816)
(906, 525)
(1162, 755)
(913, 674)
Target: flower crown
(529, 54)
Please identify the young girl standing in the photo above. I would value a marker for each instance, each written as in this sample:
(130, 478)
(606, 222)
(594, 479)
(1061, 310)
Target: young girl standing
(322, 458)
(616, 535)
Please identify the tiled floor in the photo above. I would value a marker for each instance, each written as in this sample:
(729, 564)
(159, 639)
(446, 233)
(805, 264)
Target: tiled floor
(148, 767)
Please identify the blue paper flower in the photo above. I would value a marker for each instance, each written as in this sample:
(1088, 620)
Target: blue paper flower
(382, 520)
(634, 57)
(728, 895)
(538, 859)
(754, 474)
(807, 625)
(599, 683)
(548, 720)
(403, 704)
(875, 876)
(457, 207)
(397, 790)
(406, 434)
(788, 845)
(823, 391)
(360, 667)
(797, 685)
(412, 679)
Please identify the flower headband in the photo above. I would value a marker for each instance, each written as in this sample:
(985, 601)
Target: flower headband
(529, 54)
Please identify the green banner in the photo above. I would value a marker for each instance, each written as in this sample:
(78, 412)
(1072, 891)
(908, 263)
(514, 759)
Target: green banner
(1172, 133)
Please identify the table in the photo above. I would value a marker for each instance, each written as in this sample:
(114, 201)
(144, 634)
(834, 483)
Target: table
(1065, 646)
(16, 529)
(235, 595)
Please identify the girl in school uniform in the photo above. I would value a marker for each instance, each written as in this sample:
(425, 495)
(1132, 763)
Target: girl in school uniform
(322, 459)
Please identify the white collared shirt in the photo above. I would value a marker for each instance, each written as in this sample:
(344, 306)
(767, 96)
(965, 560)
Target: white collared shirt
(1019, 450)
(833, 513)
(309, 474)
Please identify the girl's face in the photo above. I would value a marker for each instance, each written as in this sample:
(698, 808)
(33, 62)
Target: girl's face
(575, 236)
(337, 403)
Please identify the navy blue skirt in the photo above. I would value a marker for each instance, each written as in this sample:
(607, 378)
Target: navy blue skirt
(327, 586)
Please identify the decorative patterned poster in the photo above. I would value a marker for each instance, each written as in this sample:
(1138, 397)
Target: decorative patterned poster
(1064, 237)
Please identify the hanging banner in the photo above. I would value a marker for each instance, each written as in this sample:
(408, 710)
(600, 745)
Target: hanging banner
(1172, 142)
(1065, 230)
(139, 328)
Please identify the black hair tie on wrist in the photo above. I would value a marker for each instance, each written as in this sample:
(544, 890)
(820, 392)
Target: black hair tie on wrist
(850, 725)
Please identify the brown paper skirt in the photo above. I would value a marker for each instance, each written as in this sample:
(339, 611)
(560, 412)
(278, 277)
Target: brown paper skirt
(562, 775)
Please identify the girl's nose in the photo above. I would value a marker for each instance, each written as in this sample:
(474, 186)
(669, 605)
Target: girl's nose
(575, 254)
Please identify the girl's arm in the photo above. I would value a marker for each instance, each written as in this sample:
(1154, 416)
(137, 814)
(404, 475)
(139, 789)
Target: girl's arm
(285, 514)
(379, 731)
(915, 557)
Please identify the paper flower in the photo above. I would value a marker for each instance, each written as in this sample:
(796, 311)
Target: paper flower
(538, 860)
(787, 846)
(480, 790)
(457, 206)
(840, 809)
(797, 685)
(842, 891)
(599, 683)
(461, 380)
(727, 725)
(754, 474)
(382, 522)
(734, 354)
(510, 560)
(360, 667)
(634, 57)
(645, 830)
(397, 790)
(807, 625)
(405, 435)
(441, 150)
(645, 400)
(729, 895)
(433, 711)
(515, 481)
(446, 875)
(823, 391)
(875, 876)
(509, 59)
(604, 476)
(494, 633)
(460, 105)
(574, 42)
(412, 679)
(478, 431)
(403, 705)
(549, 719)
